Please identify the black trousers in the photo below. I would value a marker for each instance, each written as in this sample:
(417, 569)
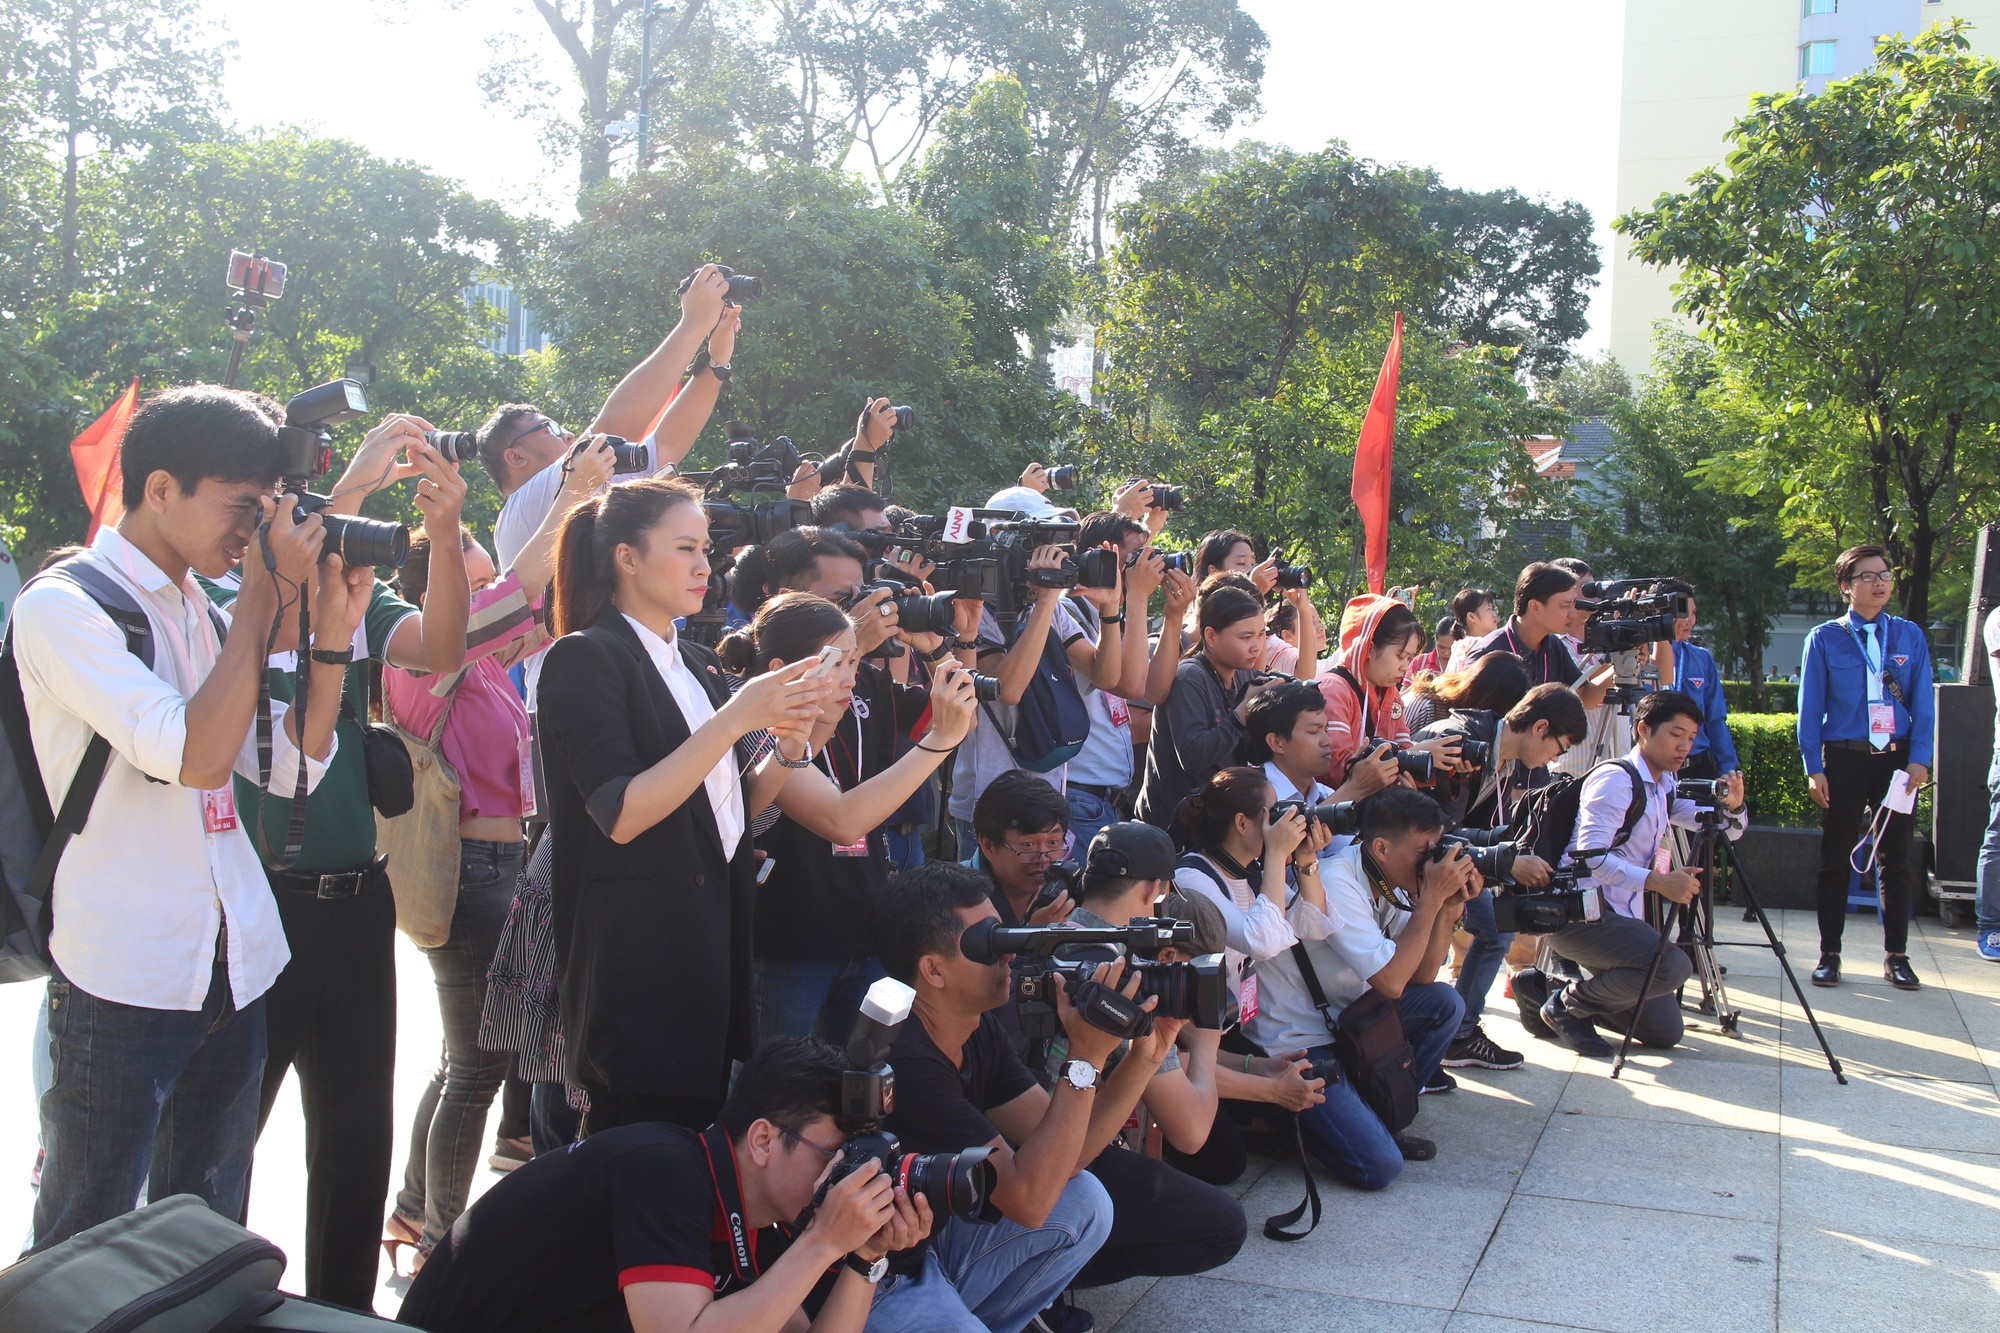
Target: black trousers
(609, 1110)
(332, 1016)
(1854, 779)
(1221, 1159)
(1163, 1223)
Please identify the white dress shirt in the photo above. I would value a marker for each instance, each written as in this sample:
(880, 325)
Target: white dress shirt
(143, 891)
(1348, 943)
(1620, 874)
(723, 783)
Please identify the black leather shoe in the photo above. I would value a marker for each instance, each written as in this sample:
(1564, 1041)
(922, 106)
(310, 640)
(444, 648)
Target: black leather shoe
(1531, 992)
(1572, 1030)
(1415, 1149)
(1828, 971)
(1897, 968)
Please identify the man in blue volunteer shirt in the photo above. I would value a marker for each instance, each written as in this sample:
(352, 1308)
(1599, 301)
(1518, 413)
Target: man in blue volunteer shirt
(1865, 714)
(1697, 676)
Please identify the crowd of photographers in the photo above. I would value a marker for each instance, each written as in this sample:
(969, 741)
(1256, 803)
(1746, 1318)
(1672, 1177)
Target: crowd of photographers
(911, 918)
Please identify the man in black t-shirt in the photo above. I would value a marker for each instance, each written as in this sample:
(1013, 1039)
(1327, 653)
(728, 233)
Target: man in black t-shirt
(645, 1226)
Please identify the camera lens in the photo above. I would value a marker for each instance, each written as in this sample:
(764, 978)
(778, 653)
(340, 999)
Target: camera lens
(1294, 576)
(1165, 497)
(742, 286)
(1182, 561)
(365, 541)
(905, 417)
(986, 688)
(1062, 478)
(957, 1184)
(1417, 764)
(925, 613)
(454, 446)
(1098, 568)
(1474, 752)
(626, 459)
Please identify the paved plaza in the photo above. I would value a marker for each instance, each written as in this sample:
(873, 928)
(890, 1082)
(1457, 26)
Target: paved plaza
(1730, 1186)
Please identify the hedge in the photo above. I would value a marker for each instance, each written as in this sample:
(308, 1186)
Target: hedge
(1780, 696)
(1767, 747)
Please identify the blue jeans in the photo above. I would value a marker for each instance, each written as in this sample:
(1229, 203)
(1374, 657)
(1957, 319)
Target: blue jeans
(1348, 1138)
(146, 1102)
(1482, 960)
(450, 1130)
(996, 1275)
(1088, 812)
(1988, 905)
(552, 1122)
(968, 841)
(906, 850)
(812, 997)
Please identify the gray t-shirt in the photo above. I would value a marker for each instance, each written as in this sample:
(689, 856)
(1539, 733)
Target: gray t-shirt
(984, 756)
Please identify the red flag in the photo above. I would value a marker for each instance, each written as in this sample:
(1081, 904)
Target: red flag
(95, 453)
(1374, 461)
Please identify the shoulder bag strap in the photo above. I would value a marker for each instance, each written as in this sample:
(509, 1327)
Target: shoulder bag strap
(1276, 1226)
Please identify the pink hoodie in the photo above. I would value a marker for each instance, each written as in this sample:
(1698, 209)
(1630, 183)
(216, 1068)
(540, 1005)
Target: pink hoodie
(1352, 718)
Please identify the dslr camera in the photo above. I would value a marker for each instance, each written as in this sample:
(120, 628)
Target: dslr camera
(958, 1184)
(1342, 818)
(1546, 910)
(305, 443)
(1194, 991)
(1495, 864)
(741, 285)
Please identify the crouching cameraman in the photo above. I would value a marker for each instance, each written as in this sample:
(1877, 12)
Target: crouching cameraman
(1392, 900)
(1514, 753)
(659, 1229)
(1624, 813)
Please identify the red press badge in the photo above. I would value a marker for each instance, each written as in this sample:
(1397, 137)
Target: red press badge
(858, 848)
(1246, 996)
(1663, 858)
(218, 810)
(1121, 712)
(1881, 720)
(527, 757)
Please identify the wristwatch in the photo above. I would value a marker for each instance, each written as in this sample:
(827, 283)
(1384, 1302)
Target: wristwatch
(874, 1271)
(327, 656)
(1080, 1074)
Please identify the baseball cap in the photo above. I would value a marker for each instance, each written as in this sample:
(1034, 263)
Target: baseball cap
(1130, 851)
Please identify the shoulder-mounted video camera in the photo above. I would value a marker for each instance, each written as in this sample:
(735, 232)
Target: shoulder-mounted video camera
(1629, 613)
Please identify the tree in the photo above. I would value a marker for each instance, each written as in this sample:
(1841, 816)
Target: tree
(1668, 510)
(1528, 267)
(1588, 387)
(1846, 263)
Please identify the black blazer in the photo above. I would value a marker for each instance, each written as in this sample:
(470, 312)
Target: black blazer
(653, 963)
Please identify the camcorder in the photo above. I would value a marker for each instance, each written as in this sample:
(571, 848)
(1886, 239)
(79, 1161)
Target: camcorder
(958, 1184)
(992, 564)
(1628, 614)
(741, 285)
(305, 444)
(757, 469)
(1195, 991)
(1546, 910)
(1342, 818)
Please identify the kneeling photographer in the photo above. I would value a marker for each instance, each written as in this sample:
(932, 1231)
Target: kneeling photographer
(1625, 808)
(1392, 901)
(660, 1229)
(1513, 753)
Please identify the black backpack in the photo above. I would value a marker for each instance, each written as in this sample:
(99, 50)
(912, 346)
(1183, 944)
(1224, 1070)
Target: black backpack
(1546, 818)
(1051, 722)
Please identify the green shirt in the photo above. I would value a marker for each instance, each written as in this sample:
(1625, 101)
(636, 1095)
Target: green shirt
(340, 822)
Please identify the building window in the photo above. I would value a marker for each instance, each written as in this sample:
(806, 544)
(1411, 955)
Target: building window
(1813, 7)
(1815, 58)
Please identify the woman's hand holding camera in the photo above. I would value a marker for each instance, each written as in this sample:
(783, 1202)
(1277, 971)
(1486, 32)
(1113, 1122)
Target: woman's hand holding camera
(587, 471)
(441, 492)
(1181, 592)
(1265, 575)
(1282, 835)
(954, 706)
(1143, 576)
(1319, 836)
(776, 698)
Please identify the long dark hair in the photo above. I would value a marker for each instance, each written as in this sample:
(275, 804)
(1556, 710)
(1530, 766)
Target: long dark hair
(1204, 819)
(789, 626)
(1496, 682)
(1220, 607)
(593, 532)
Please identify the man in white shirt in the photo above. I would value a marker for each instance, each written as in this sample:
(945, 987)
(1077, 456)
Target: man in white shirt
(1387, 926)
(1284, 729)
(1622, 823)
(165, 934)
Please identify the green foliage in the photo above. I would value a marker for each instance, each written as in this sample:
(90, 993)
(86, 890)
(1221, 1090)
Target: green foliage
(1767, 745)
(1587, 387)
(1778, 696)
(1525, 272)
(1845, 261)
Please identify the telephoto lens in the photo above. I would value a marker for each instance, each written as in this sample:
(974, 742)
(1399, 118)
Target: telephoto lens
(1062, 478)
(1165, 497)
(1495, 864)
(986, 688)
(1342, 818)
(1473, 752)
(925, 613)
(1415, 764)
(1294, 576)
(357, 541)
(454, 446)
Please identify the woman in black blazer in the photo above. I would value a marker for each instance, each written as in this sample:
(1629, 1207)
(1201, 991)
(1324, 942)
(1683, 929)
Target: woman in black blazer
(650, 798)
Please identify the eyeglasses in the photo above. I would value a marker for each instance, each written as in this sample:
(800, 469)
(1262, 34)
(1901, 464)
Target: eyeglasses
(1053, 853)
(792, 1136)
(545, 424)
(1874, 576)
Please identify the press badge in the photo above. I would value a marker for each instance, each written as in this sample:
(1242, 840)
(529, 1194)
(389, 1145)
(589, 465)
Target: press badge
(1881, 721)
(1663, 858)
(1246, 997)
(1121, 712)
(859, 848)
(527, 757)
(218, 810)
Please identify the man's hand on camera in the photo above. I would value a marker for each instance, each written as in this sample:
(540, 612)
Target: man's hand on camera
(702, 302)
(440, 493)
(954, 705)
(1678, 886)
(1047, 557)
(1441, 883)
(381, 459)
(344, 592)
(1444, 753)
(911, 564)
(875, 620)
(295, 546)
(1107, 600)
(910, 1225)
(1144, 575)
(1055, 913)
(1531, 871)
(1369, 773)
(1035, 477)
(805, 483)
(855, 1210)
(722, 339)
(588, 470)
(1729, 790)
(967, 613)
(1087, 1042)
(877, 423)
(1152, 1048)
(1294, 1086)
(1132, 499)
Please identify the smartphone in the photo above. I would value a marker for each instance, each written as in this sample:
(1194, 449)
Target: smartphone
(829, 662)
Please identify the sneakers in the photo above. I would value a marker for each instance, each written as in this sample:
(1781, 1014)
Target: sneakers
(1989, 944)
(1573, 1030)
(1477, 1050)
(510, 1153)
(1531, 992)
(1439, 1082)
(1415, 1149)
(1062, 1317)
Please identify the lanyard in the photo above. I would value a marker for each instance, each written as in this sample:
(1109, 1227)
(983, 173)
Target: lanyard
(827, 751)
(1878, 671)
(729, 1200)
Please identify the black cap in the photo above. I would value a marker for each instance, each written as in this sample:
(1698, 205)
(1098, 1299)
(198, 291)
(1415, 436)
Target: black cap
(1130, 851)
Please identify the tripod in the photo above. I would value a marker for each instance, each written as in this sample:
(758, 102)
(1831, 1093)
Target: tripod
(1696, 919)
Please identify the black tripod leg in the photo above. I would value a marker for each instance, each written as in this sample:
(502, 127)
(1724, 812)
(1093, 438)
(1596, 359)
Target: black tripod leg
(1755, 911)
(1652, 970)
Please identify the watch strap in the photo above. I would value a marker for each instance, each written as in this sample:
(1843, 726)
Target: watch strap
(329, 657)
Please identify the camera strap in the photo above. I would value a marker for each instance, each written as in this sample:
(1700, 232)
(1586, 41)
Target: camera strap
(1276, 1224)
(729, 1202)
(295, 826)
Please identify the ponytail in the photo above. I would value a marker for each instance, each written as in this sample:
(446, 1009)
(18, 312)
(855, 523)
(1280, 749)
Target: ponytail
(1204, 818)
(788, 627)
(586, 577)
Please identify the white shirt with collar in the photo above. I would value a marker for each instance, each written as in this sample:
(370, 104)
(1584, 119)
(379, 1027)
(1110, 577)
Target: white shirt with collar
(143, 892)
(1620, 874)
(1288, 791)
(723, 783)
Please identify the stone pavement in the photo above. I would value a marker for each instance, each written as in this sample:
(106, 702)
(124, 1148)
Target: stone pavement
(1729, 1184)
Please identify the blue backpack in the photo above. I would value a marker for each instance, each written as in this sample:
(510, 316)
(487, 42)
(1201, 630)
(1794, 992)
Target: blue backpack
(1050, 722)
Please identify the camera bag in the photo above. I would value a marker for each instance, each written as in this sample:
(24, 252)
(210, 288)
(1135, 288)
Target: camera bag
(1546, 819)
(392, 782)
(422, 843)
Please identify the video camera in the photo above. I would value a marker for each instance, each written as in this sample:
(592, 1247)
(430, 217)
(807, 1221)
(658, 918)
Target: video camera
(1546, 910)
(1194, 991)
(991, 562)
(305, 443)
(1629, 613)
(958, 1184)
